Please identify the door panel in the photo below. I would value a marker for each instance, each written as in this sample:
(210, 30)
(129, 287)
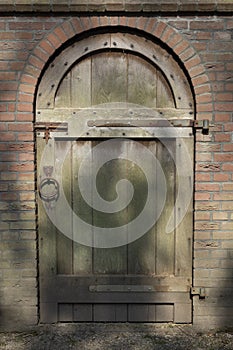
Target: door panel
(151, 254)
(110, 77)
(145, 272)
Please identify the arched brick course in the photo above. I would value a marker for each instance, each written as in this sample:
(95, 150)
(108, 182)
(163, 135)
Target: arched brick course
(152, 26)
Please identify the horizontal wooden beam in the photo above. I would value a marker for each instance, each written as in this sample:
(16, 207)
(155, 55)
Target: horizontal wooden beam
(112, 111)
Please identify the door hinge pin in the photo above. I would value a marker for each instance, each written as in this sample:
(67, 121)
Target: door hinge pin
(202, 124)
(200, 291)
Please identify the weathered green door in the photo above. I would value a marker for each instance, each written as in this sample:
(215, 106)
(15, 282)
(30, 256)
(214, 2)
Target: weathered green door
(113, 250)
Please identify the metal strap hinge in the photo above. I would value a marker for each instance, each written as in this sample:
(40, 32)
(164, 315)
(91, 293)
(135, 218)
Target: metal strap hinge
(200, 291)
(122, 288)
(129, 123)
(48, 127)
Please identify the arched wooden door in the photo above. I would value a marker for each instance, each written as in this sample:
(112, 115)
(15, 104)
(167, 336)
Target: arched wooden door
(118, 96)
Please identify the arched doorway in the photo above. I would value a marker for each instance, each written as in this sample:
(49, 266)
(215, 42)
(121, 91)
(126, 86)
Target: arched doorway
(111, 107)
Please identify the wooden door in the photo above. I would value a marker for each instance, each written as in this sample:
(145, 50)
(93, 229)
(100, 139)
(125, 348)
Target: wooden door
(149, 278)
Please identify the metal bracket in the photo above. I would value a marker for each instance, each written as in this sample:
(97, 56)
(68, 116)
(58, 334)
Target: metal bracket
(200, 291)
(202, 124)
(46, 128)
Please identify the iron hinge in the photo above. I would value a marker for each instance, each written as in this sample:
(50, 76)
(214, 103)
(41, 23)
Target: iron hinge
(202, 124)
(200, 291)
(196, 124)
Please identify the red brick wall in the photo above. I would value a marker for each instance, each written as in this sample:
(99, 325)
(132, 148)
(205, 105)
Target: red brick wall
(204, 44)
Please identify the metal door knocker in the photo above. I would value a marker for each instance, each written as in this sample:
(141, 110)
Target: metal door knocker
(49, 187)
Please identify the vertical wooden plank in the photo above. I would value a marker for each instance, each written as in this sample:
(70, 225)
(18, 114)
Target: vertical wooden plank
(165, 255)
(81, 84)
(83, 313)
(184, 231)
(47, 239)
(141, 82)
(48, 312)
(110, 260)
(64, 244)
(121, 312)
(82, 255)
(65, 312)
(183, 312)
(109, 78)
(150, 313)
(164, 313)
(138, 312)
(110, 312)
(63, 96)
(104, 312)
(141, 253)
(47, 231)
(165, 97)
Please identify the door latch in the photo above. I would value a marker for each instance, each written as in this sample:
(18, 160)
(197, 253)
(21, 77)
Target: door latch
(46, 128)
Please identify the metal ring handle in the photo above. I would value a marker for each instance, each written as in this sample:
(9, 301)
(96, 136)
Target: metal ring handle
(52, 196)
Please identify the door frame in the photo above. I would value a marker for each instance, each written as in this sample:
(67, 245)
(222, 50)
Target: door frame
(45, 112)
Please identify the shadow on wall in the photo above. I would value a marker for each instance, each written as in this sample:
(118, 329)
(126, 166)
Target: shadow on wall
(216, 309)
(18, 293)
(223, 295)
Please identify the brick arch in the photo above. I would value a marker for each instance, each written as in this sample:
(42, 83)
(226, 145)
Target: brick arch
(152, 26)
